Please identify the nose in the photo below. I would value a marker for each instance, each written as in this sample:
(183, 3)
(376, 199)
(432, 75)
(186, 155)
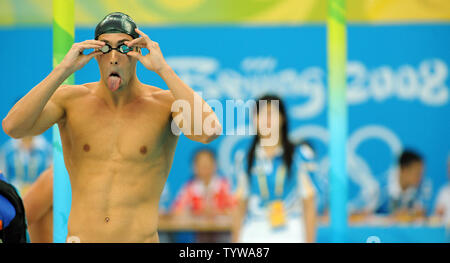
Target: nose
(114, 60)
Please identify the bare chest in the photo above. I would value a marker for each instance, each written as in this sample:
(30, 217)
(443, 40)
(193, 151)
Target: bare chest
(135, 132)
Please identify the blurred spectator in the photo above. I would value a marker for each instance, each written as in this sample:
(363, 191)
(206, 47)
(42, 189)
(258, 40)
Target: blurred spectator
(405, 192)
(276, 198)
(442, 207)
(38, 203)
(24, 159)
(12, 214)
(206, 195)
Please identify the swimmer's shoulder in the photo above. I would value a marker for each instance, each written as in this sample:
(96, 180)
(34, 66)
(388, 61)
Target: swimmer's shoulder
(71, 92)
(161, 95)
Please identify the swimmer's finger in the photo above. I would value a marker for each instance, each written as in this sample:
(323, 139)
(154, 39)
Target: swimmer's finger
(143, 44)
(81, 47)
(140, 45)
(94, 54)
(141, 33)
(87, 46)
(135, 42)
(147, 38)
(135, 55)
(94, 42)
(89, 42)
(85, 58)
(155, 44)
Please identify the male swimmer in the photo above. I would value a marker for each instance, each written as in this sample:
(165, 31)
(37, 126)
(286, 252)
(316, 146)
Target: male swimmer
(116, 133)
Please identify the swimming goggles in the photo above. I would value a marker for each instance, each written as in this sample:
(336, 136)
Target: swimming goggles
(122, 48)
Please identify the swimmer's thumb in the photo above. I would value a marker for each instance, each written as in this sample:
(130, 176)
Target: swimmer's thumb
(86, 58)
(135, 55)
(94, 54)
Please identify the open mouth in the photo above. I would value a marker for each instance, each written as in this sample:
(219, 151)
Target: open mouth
(114, 74)
(114, 81)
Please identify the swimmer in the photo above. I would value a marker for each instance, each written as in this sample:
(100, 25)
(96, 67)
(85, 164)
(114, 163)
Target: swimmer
(116, 133)
(38, 203)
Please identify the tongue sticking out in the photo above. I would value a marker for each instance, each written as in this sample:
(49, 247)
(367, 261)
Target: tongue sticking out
(114, 83)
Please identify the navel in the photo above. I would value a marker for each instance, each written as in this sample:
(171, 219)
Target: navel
(143, 150)
(86, 148)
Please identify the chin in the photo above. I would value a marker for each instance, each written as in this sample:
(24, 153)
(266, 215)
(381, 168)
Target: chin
(119, 89)
(122, 86)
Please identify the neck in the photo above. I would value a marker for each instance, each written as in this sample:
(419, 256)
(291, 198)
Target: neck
(270, 150)
(206, 181)
(403, 183)
(120, 97)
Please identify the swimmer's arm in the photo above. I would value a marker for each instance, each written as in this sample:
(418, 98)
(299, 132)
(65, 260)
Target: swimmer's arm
(39, 198)
(202, 124)
(36, 111)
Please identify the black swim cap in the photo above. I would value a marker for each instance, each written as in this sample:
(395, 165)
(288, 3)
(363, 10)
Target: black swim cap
(116, 22)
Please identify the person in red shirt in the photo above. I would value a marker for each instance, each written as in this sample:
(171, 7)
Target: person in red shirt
(207, 195)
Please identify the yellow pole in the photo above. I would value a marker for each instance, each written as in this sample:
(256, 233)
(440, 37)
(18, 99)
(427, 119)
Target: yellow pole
(337, 117)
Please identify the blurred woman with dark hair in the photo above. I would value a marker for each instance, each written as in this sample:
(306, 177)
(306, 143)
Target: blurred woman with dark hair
(275, 194)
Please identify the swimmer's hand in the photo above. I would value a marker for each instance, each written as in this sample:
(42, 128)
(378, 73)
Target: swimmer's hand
(154, 60)
(75, 59)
